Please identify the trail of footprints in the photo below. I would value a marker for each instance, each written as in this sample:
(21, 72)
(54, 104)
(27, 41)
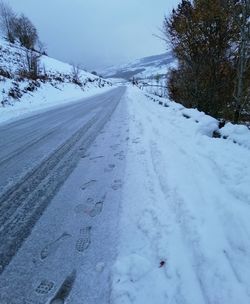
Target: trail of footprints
(45, 287)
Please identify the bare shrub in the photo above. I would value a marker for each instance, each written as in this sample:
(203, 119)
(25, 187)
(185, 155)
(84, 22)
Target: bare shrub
(76, 75)
(26, 32)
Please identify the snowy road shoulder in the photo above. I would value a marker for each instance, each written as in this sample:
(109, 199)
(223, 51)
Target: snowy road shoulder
(185, 211)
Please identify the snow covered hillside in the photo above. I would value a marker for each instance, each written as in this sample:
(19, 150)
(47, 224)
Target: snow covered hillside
(20, 95)
(144, 68)
(184, 228)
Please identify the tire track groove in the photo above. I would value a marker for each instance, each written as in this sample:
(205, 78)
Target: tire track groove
(23, 204)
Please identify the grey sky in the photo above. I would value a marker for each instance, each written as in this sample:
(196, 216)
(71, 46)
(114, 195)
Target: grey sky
(97, 33)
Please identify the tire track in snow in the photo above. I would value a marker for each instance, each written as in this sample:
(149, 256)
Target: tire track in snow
(25, 202)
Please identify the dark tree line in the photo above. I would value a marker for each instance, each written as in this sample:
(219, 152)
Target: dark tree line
(211, 41)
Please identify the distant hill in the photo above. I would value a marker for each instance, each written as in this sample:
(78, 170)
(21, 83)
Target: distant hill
(144, 68)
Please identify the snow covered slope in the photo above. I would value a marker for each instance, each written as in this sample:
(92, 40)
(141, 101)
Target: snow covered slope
(184, 228)
(145, 68)
(19, 95)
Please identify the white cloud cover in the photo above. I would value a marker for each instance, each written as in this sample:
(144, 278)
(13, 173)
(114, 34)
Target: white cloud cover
(96, 32)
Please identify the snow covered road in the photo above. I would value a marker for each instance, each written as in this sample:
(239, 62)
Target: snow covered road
(37, 154)
(69, 255)
(155, 210)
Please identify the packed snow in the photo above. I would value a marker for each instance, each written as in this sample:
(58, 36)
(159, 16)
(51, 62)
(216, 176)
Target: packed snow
(184, 227)
(76, 235)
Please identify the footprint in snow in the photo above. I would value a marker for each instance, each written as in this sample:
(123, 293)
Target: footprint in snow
(117, 184)
(96, 210)
(85, 155)
(65, 289)
(96, 157)
(110, 168)
(88, 184)
(120, 155)
(84, 239)
(136, 140)
(44, 287)
(114, 147)
(53, 246)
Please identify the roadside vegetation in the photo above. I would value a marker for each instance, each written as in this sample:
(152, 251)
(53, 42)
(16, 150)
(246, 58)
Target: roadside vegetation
(211, 42)
(19, 29)
(24, 64)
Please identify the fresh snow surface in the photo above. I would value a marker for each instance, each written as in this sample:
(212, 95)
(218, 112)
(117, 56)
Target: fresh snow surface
(12, 58)
(184, 226)
(49, 94)
(239, 134)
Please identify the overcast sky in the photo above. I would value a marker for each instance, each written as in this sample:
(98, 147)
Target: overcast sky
(97, 33)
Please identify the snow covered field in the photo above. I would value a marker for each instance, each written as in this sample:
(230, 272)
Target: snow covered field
(184, 227)
(143, 68)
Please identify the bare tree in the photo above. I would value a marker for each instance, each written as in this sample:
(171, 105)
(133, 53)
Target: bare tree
(242, 94)
(41, 48)
(30, 65)
(33, 63)
(76, 74)
(26, 32)
(7, 21)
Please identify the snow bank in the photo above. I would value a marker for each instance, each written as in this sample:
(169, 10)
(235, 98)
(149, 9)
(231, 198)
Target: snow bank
(236, 133)
(199, 121)
(206, 124)
(184, 228)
